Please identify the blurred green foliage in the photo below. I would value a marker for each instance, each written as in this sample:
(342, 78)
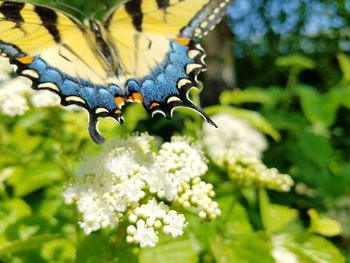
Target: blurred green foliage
(309, 127)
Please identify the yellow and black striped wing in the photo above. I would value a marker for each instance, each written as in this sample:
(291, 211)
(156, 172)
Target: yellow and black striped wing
(57, 37)
(60, 54)
(169, 18)
(154, 43)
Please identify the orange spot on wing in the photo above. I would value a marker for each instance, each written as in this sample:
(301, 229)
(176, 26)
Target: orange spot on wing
(154, 104)
(26, 60)
(137, 97)
(182, 41)
(117, 111)
(119, 101)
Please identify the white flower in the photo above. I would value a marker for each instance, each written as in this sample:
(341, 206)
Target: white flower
(151, 218)
(15, 92)
(12, 96)
(199, 194)
(250, 171)
(109, 183)
(44, 98)
(176, 162)
(234, 134)
(118, 184)
(152, 209)
(144, 235)
(174, 224)
(5, 69)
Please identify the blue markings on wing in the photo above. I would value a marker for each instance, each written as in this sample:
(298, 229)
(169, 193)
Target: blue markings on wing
(179, 55)
(156, 87)
(50, 75)
(162, 83)
(95, 96)
(9, 50)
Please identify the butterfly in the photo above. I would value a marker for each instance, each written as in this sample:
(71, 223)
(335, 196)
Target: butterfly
(144, 51)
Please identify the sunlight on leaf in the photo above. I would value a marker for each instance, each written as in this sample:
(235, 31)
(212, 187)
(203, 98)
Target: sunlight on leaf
(58, 250)
(305, 249)
(296, 61)
(241, 248)
(344, 63)
(35, 177)
(268, 97)
(174, 251)
(323, 226)
(11, 211)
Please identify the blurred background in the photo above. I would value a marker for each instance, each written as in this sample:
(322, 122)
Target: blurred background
(283, 67)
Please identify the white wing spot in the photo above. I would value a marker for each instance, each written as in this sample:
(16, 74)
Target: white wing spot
(198, 31)
(101, 110)
(204, 24)
(75, 99)
(48, 85)
(192, 53)
(211, 17)
(183, 82)
(158, 112)
(30, 73)
(192, 67)
(172, 99)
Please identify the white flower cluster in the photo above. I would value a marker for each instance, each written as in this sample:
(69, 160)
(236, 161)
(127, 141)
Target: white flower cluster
(127, 178)
(177, 162)
(14, 93)
(233, 134)
(250, 171)
(237, 148)
(150, 218)
(198, 194)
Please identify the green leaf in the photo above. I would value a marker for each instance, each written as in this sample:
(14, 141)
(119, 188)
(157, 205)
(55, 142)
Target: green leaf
(201, 234)
(319, 109)
(124, 253)
(241, 249)
(25, 256)
(345, 98)
(305, 249)
(324, 226)
(11, 211)
(134, 119)
(28, 243)
(174, 251)
(315, 147)
(35, 177)
(93, 249)
(286, 120)
(59, 250)
(234, 218)
(344, 63)
(252, 117)
(296, 61)
(267, 96)
(275, 217)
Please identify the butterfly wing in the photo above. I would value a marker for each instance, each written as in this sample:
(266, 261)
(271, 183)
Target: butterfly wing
(58, 53)
(158, 56)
